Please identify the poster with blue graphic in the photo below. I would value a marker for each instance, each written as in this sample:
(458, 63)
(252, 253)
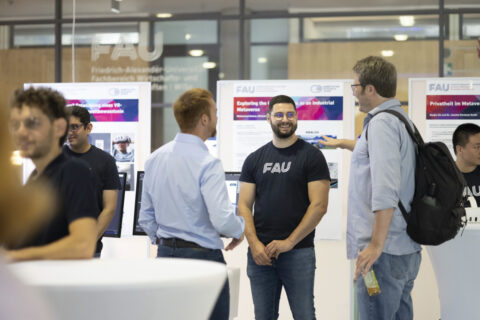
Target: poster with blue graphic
(243, 109)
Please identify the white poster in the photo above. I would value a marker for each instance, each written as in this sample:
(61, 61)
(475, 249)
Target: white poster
(120, 115)
(450, 102)
(243, 106)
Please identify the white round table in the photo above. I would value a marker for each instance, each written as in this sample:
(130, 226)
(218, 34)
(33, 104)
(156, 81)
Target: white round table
(126, 289)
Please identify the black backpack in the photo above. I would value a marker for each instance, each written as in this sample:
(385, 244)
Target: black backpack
(437, 210)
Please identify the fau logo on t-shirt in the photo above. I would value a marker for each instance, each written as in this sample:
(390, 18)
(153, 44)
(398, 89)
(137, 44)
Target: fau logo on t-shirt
(276, 167)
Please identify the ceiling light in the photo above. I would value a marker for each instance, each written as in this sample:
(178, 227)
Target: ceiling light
(164, 15)
(195, 52)
(188, 36)
(407, 21)
(387, 53)
(400, 37)
(209, 65)
(262, 60)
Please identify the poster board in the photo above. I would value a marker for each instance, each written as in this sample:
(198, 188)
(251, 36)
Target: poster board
(119, 112)
(440, 105)
(324, 107)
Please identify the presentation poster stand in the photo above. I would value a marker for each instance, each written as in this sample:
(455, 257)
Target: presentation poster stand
(323, 106)
(120, 112)
(438, 106)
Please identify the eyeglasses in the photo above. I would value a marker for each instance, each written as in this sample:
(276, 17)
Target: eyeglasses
(75, 126)
(31, 123)
(279, 115)
(356, 85)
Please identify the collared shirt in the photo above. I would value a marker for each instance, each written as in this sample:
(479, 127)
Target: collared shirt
(382, 172)
(185, 196)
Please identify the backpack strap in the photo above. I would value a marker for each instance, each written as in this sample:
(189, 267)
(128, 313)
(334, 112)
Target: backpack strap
(414, 134)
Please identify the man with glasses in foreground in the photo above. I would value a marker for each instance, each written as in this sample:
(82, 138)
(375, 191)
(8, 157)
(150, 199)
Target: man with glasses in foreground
(382, 172)
(101, 164)
(287, 180)
(38, 123)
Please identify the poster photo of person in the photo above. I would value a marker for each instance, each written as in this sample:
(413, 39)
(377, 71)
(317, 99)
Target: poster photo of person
(123, 147)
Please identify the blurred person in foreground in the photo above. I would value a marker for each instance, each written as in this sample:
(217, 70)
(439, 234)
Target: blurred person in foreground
(38, 124)
(185, 204)
(22, 209)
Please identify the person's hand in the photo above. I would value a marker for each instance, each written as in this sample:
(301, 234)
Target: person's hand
(276, 247)
(329, 142)
(234, 243)
(259, 255)
(366, 258)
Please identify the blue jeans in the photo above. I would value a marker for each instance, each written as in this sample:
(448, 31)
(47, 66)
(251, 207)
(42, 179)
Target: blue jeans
(294, 270)
(395, 276)
(221, 310)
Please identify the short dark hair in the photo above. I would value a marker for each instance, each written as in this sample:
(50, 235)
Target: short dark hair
(379, 73)
(190, 106)
(49, 101)
(280, 99)
(79, 112)
(462, 134)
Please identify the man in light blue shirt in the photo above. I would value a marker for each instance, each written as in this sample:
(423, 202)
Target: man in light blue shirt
(382, 172)
(185, 205)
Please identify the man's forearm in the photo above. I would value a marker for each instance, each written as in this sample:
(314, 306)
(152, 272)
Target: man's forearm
(381, 226)
(103, 221)
(309, 222)
(250, 231)
(347, 144)
(65, 248)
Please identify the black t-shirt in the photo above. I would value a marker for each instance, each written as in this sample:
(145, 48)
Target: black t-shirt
(473, 182)
(104, 171)
(72, 184)
(281, 177)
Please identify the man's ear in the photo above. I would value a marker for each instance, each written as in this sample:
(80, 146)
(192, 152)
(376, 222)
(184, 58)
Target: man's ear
(458, 149)
(268, 118)
(204, 119)
(60, 127)
(89, 127)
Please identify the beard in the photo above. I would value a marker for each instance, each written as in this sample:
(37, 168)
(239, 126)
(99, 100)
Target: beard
(286, 134)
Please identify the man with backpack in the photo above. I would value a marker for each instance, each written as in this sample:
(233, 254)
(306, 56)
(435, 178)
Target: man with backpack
(382, 173)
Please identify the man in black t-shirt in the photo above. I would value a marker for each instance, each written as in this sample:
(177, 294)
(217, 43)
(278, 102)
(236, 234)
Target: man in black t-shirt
(101, 163)
(466, 144)
(38, 123)
(287, 181)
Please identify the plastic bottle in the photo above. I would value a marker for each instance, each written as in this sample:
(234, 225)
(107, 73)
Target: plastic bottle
(371, 283)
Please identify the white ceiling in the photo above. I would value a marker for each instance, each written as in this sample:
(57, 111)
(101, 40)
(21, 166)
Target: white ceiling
(20, 9)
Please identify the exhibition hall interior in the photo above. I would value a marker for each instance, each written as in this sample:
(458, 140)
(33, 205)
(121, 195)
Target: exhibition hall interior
(139, 56)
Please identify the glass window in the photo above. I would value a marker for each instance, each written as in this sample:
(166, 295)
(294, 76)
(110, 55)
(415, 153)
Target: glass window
(101, 33)
(269, 62)
(187, 32)
(399, 28)
(471, 26)
(33, 35)
(269, 30)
